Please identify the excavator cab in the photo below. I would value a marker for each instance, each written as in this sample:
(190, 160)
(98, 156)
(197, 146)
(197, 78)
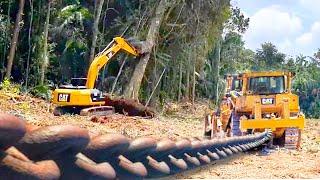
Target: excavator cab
(76, 83)
(79, 82)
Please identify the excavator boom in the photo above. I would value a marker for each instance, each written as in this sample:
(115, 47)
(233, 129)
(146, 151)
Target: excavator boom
(103, 58)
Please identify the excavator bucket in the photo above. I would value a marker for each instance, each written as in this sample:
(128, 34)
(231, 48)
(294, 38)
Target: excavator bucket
(126, 46)
(140, 46)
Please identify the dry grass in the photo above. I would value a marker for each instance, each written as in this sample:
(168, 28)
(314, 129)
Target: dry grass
(38, 112)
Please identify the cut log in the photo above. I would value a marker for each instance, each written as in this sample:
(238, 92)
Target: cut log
(129, 107)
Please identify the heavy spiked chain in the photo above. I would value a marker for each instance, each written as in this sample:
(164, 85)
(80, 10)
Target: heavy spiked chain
(67, 152)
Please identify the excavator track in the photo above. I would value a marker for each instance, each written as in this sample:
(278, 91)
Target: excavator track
(61, 110)
(89, 111)
(97, 110)
(68, 152)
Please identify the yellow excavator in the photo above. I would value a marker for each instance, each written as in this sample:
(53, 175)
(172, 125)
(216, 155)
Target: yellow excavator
(81, 96)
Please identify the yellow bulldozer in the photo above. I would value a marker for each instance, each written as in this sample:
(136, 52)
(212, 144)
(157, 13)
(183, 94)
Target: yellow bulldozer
(255, 101)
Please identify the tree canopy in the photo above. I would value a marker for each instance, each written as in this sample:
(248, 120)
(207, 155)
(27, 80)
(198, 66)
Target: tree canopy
(195, 43)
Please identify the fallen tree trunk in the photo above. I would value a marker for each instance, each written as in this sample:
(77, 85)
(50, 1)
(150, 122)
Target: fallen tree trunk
(129, 107)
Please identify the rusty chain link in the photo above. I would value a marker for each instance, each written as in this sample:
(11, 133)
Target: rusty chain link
(67, 152)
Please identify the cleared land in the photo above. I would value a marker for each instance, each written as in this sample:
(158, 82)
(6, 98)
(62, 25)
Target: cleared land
(184, 121)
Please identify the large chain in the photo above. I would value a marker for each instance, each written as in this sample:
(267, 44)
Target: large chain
(67, 152)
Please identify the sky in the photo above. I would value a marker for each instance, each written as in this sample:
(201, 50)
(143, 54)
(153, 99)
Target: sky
(292, 25)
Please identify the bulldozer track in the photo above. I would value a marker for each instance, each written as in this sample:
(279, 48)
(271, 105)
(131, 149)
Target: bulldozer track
(68, 152)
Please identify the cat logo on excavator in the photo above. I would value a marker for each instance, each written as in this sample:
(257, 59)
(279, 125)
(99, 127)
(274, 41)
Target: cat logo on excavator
(63, 97)
(256, 101)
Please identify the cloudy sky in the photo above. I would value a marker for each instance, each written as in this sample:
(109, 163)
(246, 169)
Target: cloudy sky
(292, 25)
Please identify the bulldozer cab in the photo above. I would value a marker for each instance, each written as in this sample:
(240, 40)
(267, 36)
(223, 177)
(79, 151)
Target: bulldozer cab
(266, 85)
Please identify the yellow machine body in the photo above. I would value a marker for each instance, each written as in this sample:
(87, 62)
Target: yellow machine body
(282, 109)
(85, 95)
(259, 101)
(75, 97)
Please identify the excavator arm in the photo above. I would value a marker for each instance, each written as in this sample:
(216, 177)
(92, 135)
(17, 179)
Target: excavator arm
(103, 58)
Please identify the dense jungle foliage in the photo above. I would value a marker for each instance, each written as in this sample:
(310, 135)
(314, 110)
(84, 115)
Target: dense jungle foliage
(44, 43)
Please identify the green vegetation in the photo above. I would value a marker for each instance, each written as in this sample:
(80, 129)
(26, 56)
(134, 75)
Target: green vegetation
(56, 40)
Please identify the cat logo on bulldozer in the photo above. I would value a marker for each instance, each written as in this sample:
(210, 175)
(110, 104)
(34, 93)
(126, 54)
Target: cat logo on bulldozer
(267, 101)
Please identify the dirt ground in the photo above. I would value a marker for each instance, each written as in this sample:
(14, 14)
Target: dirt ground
(179, 121)
(281, 163)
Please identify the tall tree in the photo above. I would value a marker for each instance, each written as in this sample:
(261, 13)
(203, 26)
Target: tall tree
(95, 29)
(45, 62)
(233, 53)
(216, 66)
(132, 90)
(268, 57)
(14, 39)
(5, 28)
(29, 44)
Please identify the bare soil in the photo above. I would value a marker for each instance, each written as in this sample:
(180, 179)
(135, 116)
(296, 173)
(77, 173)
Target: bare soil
(183, 120)
(281, 163)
